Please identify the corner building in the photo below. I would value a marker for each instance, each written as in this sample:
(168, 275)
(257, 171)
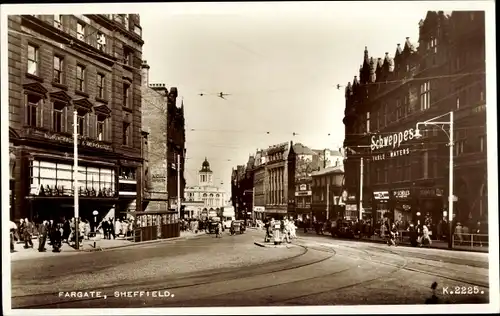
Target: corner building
(405, 178)
(59, 64)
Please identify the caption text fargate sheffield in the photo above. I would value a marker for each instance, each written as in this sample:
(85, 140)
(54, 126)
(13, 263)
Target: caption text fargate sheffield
(117, 294)
(393, 140)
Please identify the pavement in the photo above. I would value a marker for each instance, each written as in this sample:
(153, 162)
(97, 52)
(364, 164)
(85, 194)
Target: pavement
(101, 244)
(436, 244)
(232, 271)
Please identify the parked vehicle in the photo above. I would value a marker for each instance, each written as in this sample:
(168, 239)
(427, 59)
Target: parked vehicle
(343, 229)
(237, 227)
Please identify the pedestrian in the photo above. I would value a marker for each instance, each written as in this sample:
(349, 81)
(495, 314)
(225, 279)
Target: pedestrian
(55, 237)
(13, 229)
(392, 235)
(111, 229)
(28, 234)
(105, 228)
(118, 227)
(218, 230)
(87, 229)
(426, 238)
(478, 231)
(42, 236)
(66, 231)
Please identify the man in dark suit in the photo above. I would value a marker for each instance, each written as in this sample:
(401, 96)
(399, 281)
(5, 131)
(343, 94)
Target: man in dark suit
(42, 236)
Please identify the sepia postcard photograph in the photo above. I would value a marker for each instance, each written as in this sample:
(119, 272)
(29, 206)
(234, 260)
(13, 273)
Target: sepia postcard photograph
(249, 158)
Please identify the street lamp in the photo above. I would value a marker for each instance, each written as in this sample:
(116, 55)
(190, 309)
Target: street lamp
(95, 213)
(450, 190)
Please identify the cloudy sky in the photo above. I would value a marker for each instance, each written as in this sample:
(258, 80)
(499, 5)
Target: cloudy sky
(280, 64)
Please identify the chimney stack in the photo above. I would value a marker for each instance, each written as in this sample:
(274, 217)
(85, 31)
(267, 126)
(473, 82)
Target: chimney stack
(145, 73)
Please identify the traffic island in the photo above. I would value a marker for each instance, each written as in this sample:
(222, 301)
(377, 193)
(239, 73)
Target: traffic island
(272, 245)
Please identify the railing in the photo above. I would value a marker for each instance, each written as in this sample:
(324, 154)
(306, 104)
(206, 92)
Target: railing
(472, 240)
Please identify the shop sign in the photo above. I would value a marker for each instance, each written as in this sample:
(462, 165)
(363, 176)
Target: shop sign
(259, 209)
(431, 192)
(351, 207)
(69, 140)
(401, 194)
(303, 187)
(303, 193)
(381, 195)
(393, 140)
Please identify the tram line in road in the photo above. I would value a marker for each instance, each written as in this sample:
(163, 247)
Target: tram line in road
(278, 271)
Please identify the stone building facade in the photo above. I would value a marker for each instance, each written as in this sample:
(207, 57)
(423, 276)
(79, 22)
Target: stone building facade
(404, 178)
(90, 64)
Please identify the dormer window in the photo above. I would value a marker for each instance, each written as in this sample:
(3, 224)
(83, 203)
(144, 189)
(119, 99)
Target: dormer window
(57, 21)
(80, 31)
(101, 41)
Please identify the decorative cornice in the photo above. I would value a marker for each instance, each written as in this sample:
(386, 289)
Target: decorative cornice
(83, 102)
(36, 87)
(60, 96)
(102, 109)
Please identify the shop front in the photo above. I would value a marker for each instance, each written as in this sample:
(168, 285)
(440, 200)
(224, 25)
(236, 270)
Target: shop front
(127, 191)
(50, 189)
(303, 208)
(275, 212)
(259, 212)
(430, 205)
(402, 207)
(381, 206)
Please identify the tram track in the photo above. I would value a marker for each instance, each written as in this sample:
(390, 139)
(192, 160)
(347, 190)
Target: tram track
(269, 269)
(208, 278)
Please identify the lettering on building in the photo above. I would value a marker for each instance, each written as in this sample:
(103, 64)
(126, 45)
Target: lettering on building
(392, 140)
(381, 195)
(401, 194)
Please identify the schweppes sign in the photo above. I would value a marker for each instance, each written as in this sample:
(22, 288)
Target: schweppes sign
(392, 140)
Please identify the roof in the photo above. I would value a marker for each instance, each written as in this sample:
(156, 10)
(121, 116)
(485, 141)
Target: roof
(329, 170)
(300, 149)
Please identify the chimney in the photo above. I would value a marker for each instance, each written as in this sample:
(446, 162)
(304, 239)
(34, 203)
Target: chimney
(145, 73)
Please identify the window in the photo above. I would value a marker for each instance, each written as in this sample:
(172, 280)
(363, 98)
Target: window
(126, 21)
(58, 69)
(368, 122)
(127, 56)
(100, 86)
(399, 170)
(458, 103)
(399, 109)
(425, 164)
(101, 127)
(407, 169)
(33, 110)
(386, 108)
(425, 96)
(57, 21)
(482, 144)
(386, 173)
(434, 163)
(80, 77)
(460, 145)
(58, 117)
(137, 30)
(81, 122)
(481, 93)
(32, 60)
(101, 41)
(80, 31)
(433, 44)
(126, 133)
(126, 97)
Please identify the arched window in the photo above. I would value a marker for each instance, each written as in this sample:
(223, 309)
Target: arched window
(204, 195)
(211, 195)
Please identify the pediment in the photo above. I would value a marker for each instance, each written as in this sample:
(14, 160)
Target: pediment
(35, 87)
(128, 79)
(84, 103)
(102, 109)
(60, 95)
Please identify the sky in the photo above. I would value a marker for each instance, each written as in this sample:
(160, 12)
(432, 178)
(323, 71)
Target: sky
(280, 67)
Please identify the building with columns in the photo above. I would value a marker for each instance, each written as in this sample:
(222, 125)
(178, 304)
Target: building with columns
(206, 196)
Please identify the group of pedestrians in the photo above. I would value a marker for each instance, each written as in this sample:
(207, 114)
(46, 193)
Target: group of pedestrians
(53, 233)
(190, 224)
(287, 230)
(109, 227)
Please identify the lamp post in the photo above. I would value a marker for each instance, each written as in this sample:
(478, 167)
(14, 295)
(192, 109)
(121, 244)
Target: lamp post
(450, 184)
(75, 177)
(95, 213)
